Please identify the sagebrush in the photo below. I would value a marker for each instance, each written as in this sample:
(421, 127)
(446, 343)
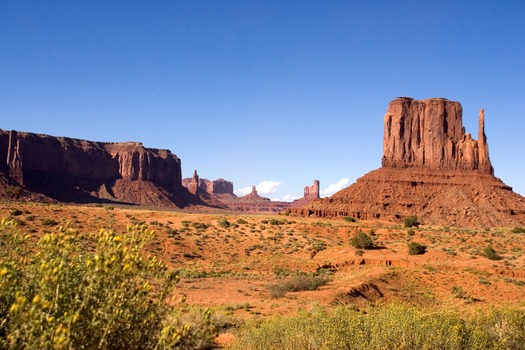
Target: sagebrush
(99, 291)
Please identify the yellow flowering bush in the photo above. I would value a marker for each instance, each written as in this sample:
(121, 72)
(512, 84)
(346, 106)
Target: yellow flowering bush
(387, 327)
(97, 291)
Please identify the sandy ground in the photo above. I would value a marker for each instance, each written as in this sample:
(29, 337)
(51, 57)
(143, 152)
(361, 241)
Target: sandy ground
(228, 262)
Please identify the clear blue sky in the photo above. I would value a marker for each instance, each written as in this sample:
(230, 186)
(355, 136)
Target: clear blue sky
(262, 91)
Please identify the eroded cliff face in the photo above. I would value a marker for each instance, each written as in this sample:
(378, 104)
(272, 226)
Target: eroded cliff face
(219, 186)
(430, 134)
(73, 169)
(431, 169)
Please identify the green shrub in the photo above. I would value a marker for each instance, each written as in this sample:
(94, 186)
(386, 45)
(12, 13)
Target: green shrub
(242, 222)
(415, 248)
(49, 222)
(200, 226)
(300, 283)
(411, 232)
(362, 241)
(224, 223)
(349, 219)
(13, 192)
(490, 253)
(66, 297)
(518, 230)
(278, 222)
(411, 221)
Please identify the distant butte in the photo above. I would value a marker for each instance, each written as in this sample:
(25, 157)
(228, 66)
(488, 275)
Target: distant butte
(48, 169)
(219, 193)
(430, 168)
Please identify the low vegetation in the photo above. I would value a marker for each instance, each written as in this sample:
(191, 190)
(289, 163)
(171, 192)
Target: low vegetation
(393, 326)
(415, 248)
(61, 287)
(518, 229)
(490, 253)
(411, 221)
(362, 241)
(301, 282)
(95, 292)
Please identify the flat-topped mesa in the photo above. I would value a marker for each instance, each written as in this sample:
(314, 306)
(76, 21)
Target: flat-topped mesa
(430, 134)
(67, 168)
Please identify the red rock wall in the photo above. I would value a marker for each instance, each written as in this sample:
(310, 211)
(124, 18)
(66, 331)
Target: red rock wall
(312, 192)
(430, 134)
(219, 186)
(28, 158)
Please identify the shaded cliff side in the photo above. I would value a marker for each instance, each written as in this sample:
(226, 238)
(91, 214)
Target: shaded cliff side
(432, 169)
(68, 169)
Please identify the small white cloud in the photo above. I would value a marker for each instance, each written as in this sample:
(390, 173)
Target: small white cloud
(265, 187)
(287, 198)
(243, 191)
(290, 198)
(333, 188)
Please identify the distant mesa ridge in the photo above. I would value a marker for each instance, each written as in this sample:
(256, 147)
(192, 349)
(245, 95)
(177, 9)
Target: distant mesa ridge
(73, 170)
(220, 193)
(430, 168)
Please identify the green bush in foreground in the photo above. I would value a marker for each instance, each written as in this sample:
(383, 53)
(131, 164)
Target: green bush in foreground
(392, 326)
(95, 292)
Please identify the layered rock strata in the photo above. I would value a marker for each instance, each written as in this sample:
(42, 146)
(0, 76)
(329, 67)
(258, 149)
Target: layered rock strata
(70, 169)
(430, 134)
(431, 169)
(217, 187)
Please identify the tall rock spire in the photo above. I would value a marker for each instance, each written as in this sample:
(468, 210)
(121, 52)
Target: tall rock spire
(483, 147)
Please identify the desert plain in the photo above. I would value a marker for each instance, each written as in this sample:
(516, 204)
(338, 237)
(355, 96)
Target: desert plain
(234, 263)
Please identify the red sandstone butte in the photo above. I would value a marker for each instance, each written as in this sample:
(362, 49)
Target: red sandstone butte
(73, 170)
(430, 168)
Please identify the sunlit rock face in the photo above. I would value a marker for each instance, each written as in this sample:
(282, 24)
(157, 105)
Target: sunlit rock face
(430, 134)
(430, 168)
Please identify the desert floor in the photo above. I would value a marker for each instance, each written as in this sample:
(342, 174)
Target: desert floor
(228, 261)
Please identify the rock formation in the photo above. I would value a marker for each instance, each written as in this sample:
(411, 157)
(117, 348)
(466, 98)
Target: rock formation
(432, 169)
(254, 203)
(193, 184)
(216, 187)
(310, 193)
(219, 194)
(69, 169)
(430, 134)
